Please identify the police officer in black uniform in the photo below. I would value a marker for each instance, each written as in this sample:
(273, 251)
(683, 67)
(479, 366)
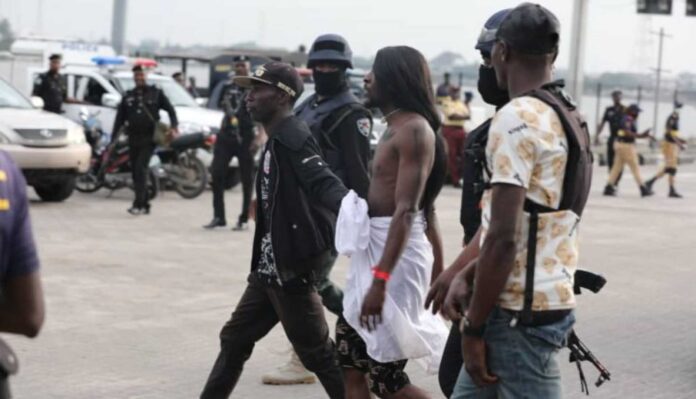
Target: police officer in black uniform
(342, 126)
(613, 115)
(237, 138)
(139, 112)
(51, 86)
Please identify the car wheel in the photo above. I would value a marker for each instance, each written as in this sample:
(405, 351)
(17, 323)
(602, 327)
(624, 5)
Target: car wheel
(56, 190)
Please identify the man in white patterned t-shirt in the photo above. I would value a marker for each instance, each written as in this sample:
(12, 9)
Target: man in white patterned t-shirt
(527, 153)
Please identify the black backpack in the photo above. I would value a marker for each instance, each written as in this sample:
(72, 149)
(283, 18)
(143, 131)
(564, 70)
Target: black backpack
(576, 182)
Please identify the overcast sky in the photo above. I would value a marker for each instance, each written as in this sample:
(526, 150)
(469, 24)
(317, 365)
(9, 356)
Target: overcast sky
(617, 38)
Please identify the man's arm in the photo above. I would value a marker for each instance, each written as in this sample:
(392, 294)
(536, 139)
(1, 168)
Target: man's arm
(435, 237)
(167, 107)
(604, 120)
(120, 118)
(354, 143)
(21, 306)
(38, 86)
(450, 289)
(497, 255)
(316, 178)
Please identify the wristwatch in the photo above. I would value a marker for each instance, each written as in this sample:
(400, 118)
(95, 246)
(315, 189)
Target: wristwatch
(467, 329)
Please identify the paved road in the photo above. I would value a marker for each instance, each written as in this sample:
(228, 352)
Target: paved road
(135, 304)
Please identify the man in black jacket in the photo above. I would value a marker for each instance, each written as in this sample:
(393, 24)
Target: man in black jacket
(139, 111)
(342, 126)
(298, 198)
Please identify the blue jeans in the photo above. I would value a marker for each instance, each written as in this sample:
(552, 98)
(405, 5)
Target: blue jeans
(523, 358)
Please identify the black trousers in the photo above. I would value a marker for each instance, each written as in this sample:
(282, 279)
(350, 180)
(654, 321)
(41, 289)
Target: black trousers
(140, 155)
(227, 147)
(451, 362)
(610, 156)
(261, 307)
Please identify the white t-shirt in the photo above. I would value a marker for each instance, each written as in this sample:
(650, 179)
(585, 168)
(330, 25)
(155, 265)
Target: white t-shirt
(527, 147)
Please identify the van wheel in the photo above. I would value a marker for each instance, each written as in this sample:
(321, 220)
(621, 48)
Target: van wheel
(56, 190)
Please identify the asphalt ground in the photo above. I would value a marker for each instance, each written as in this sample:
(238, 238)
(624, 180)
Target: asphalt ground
(135, 304)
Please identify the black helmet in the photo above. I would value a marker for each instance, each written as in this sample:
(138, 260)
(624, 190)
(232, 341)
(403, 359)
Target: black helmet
(330, 47)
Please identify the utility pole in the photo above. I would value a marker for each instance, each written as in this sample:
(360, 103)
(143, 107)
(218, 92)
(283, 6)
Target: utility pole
(576, 72)
(39, 18)
(118, 26)
(658, 76)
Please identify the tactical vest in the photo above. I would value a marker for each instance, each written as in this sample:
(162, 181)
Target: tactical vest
(314, 115)
(576, 182)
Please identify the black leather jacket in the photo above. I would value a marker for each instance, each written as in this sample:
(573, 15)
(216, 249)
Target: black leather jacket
(304, 201)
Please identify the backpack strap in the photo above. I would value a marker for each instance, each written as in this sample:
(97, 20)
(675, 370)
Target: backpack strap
(576, 182)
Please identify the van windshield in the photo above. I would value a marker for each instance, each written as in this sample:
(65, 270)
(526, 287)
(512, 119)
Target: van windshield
(176, 94)
(10, 98)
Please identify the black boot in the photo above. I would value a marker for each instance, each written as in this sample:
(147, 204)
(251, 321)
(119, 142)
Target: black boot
(649, 183)
(645, 191)
(216, 222)
(673, 193)
(610, 190)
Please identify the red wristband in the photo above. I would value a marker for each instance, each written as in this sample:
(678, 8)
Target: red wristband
(380, 275)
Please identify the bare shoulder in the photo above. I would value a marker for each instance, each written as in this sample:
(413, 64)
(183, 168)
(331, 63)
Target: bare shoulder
(414, 131)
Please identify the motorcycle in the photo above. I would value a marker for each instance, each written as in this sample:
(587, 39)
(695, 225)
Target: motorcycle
(180, 167)
(109, 166)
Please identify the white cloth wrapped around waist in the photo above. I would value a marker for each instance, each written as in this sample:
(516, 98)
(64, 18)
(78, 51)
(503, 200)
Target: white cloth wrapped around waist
(408, 330)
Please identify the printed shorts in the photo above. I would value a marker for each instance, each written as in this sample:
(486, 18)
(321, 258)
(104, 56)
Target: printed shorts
(383, 378)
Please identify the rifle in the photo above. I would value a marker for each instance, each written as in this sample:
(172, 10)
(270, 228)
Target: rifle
(579, 352)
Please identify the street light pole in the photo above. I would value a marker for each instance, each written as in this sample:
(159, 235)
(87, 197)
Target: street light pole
(658, 77)
(577, 51)
(118, 26)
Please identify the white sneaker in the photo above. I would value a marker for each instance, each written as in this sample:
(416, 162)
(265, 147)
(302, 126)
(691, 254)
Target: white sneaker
(291, 373)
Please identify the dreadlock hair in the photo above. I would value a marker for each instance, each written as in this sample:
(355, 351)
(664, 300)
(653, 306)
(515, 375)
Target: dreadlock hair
(403, 79)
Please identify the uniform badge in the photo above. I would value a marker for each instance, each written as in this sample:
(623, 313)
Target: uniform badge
(364, 126)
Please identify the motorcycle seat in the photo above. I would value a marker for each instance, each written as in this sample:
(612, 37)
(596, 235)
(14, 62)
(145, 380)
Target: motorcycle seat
(192, 140)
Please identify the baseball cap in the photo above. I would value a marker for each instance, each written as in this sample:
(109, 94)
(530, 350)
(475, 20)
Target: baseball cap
(487, 36)
(530, 29)
(634, 109)
(277, 74)
(240, 58)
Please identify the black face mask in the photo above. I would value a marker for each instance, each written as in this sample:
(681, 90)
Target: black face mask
(488, 87)
(329, 83)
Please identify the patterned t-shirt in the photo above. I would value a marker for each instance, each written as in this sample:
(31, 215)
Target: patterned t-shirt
(266, 269)
(527, 147)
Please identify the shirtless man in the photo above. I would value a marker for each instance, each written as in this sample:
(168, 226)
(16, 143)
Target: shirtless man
(384, 321)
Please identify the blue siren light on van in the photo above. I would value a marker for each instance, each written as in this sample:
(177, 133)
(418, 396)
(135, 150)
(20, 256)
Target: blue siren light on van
(105, 60)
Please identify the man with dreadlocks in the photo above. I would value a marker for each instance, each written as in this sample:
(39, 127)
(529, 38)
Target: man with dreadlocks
(384, 321)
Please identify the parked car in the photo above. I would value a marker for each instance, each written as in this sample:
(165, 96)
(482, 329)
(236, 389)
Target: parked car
(50, 150)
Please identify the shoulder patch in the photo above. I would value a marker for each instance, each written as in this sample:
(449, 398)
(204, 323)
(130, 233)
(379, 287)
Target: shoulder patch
(38, 80)
(364, 126)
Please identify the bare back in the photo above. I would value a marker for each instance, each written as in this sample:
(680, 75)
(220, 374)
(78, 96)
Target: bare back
(402, 164)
